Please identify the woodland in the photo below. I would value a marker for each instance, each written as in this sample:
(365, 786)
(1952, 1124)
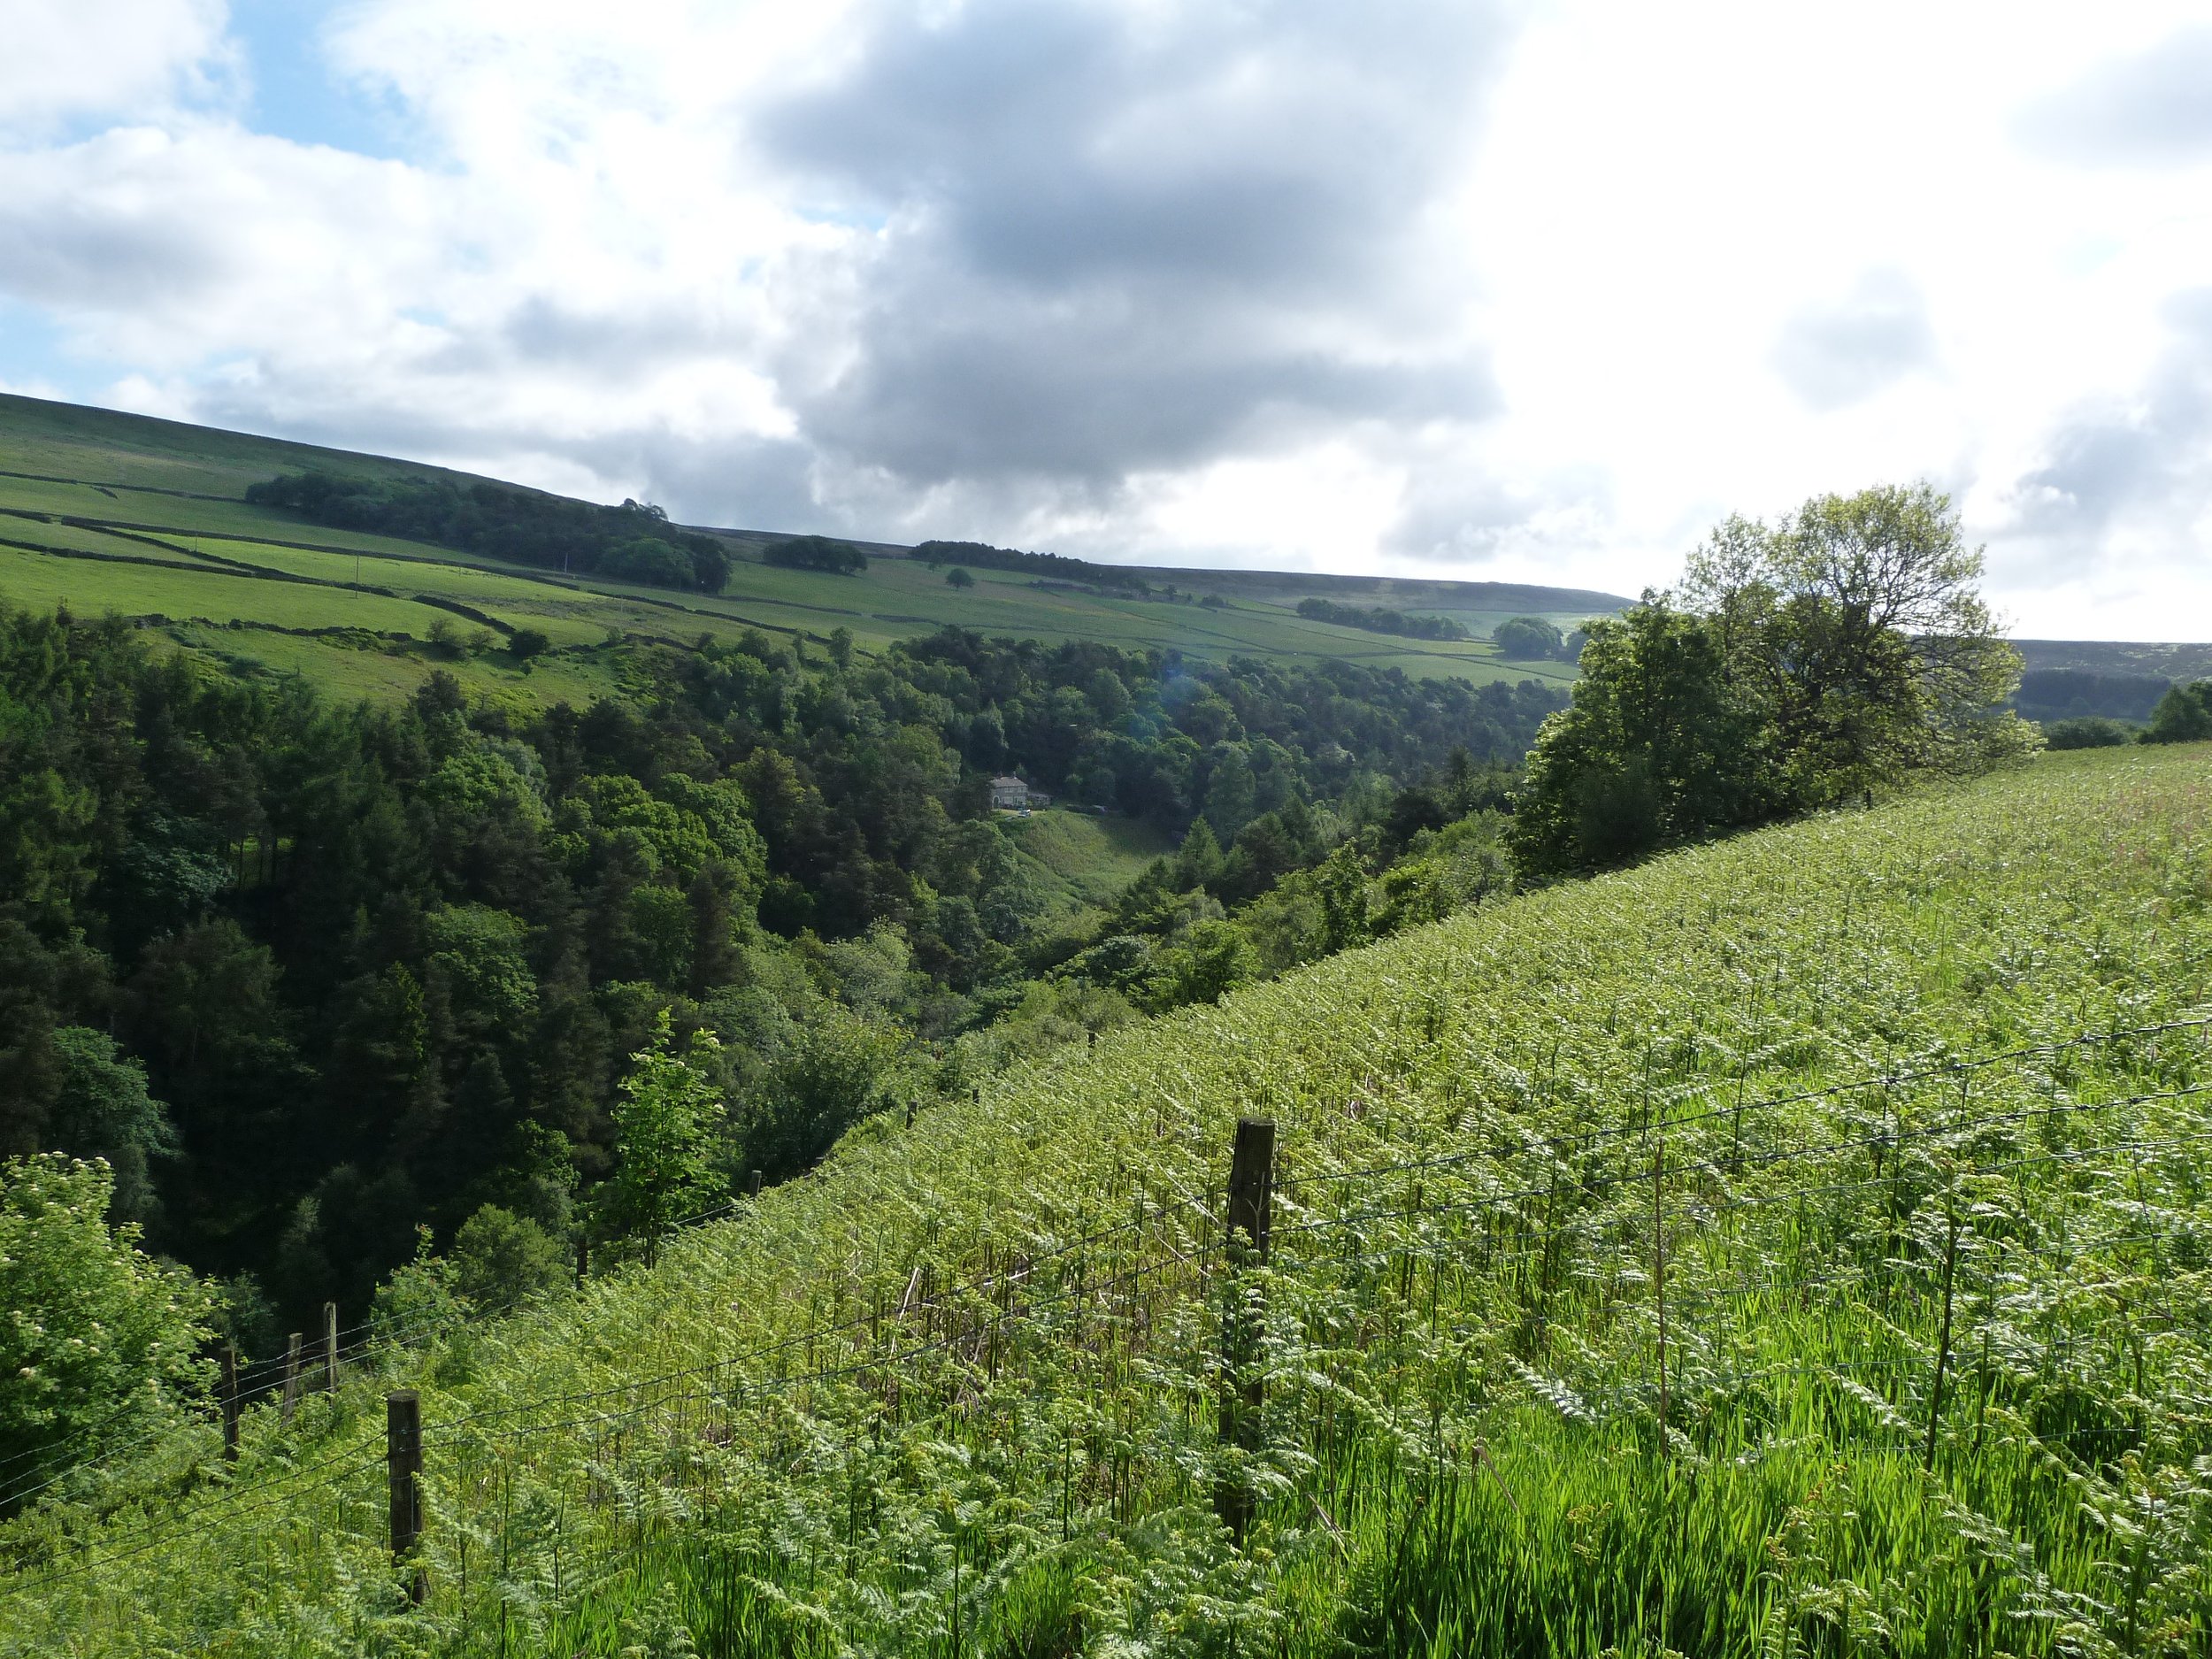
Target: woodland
(312, 977)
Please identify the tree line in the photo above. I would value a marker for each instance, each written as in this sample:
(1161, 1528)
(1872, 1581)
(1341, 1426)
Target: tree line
(815, 553)
(633, 542)
(1381, 619)
(983, 556)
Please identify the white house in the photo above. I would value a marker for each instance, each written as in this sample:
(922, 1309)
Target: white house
(1011, 795)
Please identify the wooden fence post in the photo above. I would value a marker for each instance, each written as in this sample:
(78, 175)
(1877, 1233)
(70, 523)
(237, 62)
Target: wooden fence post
(230, 1401)
(752, 1185)
(1252, 1187)
(1250, 1212)
(291, 1379)
(330, 1347)
(403, 1452)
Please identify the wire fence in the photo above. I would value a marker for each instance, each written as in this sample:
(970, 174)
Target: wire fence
(1673, 1248)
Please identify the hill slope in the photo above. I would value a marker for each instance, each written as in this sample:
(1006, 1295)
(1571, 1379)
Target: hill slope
(107, 510)
(1797, 1241)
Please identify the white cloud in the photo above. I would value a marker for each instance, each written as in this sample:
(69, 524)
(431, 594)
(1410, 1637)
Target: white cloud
(1533, 295)
(1837, 353)
(2151, 105)
(62, 58)
(169, 246)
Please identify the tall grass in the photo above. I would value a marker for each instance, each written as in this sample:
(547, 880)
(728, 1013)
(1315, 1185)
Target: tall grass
(1606, 1312)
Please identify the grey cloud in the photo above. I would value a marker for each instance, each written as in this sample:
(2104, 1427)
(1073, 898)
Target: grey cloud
(1116, 241)
(2153, 107)
(1101, 242)
(1461, 516)
(1276, 144)
(288, 401)
(608, 342)
(1092, 390)
(2147, 464)
(752, 483)
(190, 241)
(1835, 355)
(71, 239)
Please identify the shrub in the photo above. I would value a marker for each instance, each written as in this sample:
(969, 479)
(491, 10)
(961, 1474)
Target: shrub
(2087, 732)
(1379, 619)
(822, 1078)
(501, 1258)
(91, 1327)
(1052, 566)
(421, 1297)
(103, 1110)
(1800, 665)
(504, 522)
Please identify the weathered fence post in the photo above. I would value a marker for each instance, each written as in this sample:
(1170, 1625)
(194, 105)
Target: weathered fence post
(1251, 1210)
(291, 1380)
(402, 1451)
(752, 1185)
(330, 1347)
(230, 1401)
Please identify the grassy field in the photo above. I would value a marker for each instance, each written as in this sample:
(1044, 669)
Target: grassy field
(85, 482)
(1090, 858)
(1798, 1245)
(182, 590)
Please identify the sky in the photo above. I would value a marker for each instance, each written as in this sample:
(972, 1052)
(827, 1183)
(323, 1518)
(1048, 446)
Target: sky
(1478, 288)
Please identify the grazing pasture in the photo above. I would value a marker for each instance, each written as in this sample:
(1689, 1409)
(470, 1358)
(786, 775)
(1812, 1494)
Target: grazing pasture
(82, 481)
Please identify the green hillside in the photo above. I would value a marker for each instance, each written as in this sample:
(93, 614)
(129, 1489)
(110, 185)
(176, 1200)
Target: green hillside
(1799, 1244)
(148, 518)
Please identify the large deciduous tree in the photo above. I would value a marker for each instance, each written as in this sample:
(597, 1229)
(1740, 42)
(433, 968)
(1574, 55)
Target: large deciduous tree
(1858, 624)
(1658, 747)
(1799, 666)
